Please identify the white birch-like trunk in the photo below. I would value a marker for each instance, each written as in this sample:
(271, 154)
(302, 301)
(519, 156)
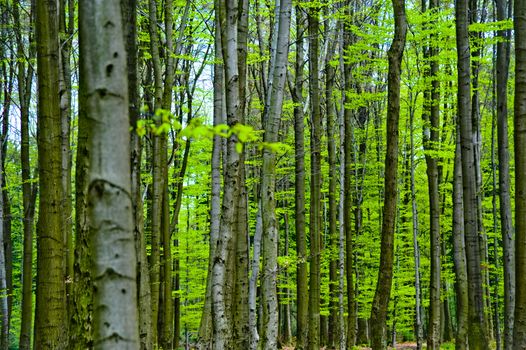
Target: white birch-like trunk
(104, 83)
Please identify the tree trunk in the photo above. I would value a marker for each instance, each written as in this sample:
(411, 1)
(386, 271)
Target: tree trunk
(506, 220)
(206, 325)
(81, 328)
(66, 24)
(110, 211)
(477, 319)
(143, 277)
(25, 81)
(315, 183)
(224, 250)
(157, 181)
(385, 274)
(299, 188)
(347, 200)
(4, 310)
(431, 116)
(519, 330)
(333, 326)
(272, 119)
(419, 331)
(50, 322)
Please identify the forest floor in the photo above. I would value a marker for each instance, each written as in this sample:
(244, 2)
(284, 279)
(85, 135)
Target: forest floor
(399, 346)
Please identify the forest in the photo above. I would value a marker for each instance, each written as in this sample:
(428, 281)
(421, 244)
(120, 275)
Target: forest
(263, 174)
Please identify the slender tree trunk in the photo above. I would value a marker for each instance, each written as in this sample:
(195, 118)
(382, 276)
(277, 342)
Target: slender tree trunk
(224, 250)
(50, 322)
(81, 327)
(315, 181)
(347, 200)
(4, 310)
(272, 119)
(385, 274)
(506, 220)
(477, 332)
(157, 184)
(206, 326)
(495, 275)
(416, 249)
(143, 278)
(459, 253)
(25, 81)
(333, 326)
(431, 116)
(66, 23)
(242, 249)
(299, 188)
(519, 330)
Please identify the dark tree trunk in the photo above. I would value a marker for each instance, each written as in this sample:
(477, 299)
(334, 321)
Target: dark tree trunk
(519, 331)
(385, 273)
(477, 332)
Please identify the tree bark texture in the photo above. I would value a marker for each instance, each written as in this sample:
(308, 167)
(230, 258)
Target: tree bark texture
(385, 275)
(315, 181)
(299, 187)
(506, 219)
(272, 119)
(110, 211)
(50, 322)
(25, 80)
(431, 137)
(224, 250)
(519, 330)
(477, 320)
(459, 253)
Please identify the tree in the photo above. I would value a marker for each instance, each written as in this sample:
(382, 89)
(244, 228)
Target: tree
(477, 320)
(506, 224)
(224, 250)
(299, 186)
(519, 328)
(271, 120)
(385, 274)
(315, 180)
(50, 322)
(105, 84)
(431, 116)
(347, 184)
(459, 252)
(25, 80)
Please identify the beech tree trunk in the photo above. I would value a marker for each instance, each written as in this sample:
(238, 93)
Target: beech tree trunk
(272, 119)
(347, 200)
(110, 211)
(431, 117)
(206, 325)
(506, 219)
(459, 253)
(477, 332)
(51, 321)
(224, 250)
(385, 275)
(519, 330)
(299, 187)
(25, 81)
(315, 181)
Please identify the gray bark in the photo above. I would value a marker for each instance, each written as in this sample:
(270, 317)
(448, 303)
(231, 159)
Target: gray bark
(519, 330)
(103, 66)
(506, 219)
(477, 333)
(272, 118)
